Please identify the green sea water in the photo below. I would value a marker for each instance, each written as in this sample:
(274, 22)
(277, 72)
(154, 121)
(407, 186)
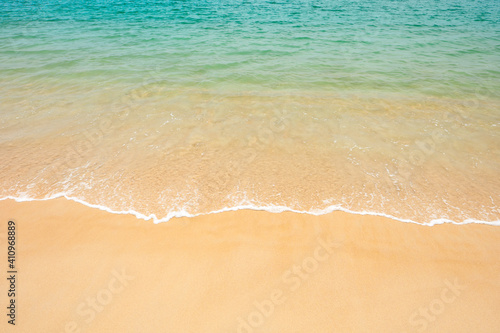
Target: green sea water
(319, 104)
(430, 47)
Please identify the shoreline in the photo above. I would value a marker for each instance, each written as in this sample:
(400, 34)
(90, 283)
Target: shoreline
(268, 209)
(85, 270)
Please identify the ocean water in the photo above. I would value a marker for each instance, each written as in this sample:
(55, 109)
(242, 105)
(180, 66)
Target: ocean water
(171, 108)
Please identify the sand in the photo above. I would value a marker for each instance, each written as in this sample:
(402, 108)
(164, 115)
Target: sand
(81, 269)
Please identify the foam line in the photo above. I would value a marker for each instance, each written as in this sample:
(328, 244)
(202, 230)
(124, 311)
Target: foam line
(271, 209)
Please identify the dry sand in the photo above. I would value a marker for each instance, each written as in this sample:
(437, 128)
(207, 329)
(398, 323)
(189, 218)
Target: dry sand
(85, 270)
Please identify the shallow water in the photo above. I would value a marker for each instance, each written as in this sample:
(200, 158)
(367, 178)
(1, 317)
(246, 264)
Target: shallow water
(166, 108)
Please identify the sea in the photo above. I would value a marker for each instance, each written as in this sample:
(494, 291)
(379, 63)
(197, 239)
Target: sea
(168, 108)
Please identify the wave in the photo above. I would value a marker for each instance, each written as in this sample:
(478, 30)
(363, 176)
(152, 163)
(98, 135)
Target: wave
(269, 208)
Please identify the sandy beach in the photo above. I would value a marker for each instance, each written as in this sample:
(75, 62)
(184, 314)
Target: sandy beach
(81, 269)
(147, 148)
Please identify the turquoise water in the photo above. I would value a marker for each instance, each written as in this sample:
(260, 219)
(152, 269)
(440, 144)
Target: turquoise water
(165, 108)
(429, 47)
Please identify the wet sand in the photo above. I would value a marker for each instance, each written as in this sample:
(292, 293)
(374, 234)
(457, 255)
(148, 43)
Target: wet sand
(81, 269)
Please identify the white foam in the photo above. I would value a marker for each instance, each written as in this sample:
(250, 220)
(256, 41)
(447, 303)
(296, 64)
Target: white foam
(249, 206)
